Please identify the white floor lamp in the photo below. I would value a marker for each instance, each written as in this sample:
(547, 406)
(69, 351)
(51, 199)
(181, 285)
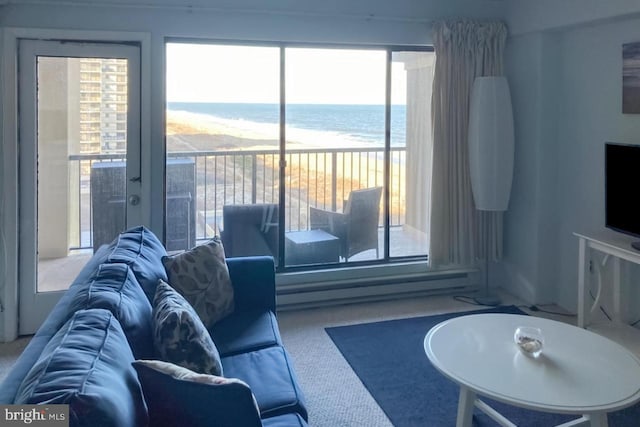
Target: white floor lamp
(491, 151)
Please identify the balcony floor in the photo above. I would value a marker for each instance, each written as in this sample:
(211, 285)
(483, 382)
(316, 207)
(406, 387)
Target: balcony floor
(57, 274)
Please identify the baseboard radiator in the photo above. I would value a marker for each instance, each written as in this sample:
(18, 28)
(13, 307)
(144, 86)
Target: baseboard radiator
(305, 293)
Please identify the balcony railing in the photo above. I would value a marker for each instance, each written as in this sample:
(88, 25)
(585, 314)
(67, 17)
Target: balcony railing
(317, 177)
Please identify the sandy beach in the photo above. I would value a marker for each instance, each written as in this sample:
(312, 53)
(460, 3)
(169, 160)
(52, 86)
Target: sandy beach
(194, 132)
(208, 134)
(309, 179)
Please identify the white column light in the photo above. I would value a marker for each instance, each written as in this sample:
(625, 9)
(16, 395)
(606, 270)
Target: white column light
(491, 143)
(491, 151)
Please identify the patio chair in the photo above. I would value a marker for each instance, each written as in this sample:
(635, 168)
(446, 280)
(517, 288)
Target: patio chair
(250, 230)
(357, 226)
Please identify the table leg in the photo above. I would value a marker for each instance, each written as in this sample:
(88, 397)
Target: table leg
(617, 293)
(465, 407)
(583, 274)
(599, 419)
(583, 421)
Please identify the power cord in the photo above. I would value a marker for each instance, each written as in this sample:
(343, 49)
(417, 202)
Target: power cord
(601, 308)
(607, 314)
(536, 308)
(469, 300)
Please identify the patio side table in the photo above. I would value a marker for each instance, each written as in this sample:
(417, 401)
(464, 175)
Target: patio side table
(311, 247)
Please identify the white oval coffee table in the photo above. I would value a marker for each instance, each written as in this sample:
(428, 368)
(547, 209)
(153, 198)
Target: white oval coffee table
(578, 372)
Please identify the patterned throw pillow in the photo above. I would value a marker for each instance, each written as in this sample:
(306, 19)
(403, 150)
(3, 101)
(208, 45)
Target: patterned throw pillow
(177, 396)
(179, 335)
(202, 277)
(180, 373)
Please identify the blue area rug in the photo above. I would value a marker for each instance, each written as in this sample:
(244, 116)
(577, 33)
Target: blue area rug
(389, 359)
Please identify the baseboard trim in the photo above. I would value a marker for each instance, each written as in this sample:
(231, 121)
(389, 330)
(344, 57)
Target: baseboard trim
(367, 290)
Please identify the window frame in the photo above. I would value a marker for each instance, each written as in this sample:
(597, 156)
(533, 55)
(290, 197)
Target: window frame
(389, 49)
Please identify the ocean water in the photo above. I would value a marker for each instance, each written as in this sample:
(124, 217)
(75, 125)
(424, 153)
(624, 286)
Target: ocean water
(317, 124)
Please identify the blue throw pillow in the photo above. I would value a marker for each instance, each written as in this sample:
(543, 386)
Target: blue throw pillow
(87, 365)
(142, 251)
(177, 396)
(113, 287)
(179, 335)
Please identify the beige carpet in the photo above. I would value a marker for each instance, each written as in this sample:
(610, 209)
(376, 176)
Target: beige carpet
(9, 352)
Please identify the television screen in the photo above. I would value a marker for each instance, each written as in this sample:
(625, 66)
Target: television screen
(622, 189)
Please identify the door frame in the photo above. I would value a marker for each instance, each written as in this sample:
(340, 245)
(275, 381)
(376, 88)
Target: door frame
(35, 305)
(9, 196)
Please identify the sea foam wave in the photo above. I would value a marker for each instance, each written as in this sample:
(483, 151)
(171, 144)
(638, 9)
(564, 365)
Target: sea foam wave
(242, 128)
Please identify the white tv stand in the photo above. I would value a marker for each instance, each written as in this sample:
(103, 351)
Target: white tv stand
(615, 247)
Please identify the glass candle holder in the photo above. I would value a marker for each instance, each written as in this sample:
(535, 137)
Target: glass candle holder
(529, 340)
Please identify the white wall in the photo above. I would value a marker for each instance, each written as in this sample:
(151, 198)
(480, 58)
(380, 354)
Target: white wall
(567, 89)
(526, 16)
(530, 69)
(592, 114)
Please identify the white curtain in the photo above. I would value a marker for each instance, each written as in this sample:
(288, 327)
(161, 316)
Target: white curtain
(464, 50)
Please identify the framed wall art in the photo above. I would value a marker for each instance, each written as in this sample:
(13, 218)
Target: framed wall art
(631, 78)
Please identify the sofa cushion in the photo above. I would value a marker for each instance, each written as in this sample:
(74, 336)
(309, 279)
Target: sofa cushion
(270, 375)
(202, 277)
(59, 316)
(113, 287)
(179, 335)
(142, 251)
(248, 331)
(254, 283)
(87, 365)
(99, 257)
(177, 396)
(287, 420)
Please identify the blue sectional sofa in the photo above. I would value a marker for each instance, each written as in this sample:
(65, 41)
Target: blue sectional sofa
(83, 353)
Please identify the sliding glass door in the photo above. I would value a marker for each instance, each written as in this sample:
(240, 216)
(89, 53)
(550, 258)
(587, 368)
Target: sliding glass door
(335, 152)
(301, 153)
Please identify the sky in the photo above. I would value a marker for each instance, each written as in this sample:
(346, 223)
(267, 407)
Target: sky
(250, 74)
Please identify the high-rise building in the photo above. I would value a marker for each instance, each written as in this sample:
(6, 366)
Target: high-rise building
(103, 105)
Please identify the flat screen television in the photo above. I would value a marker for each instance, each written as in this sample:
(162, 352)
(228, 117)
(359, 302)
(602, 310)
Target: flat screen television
(622, 189)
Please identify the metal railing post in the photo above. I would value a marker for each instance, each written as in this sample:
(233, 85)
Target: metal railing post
(334, 179)
(254, 173)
